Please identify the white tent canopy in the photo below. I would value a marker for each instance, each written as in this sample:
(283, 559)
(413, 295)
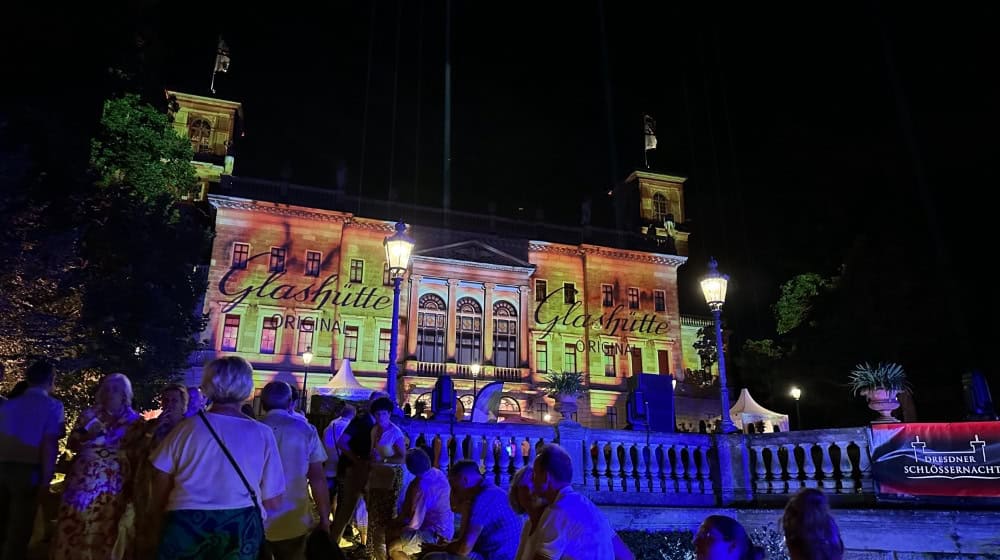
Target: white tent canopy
(343, 385)
(747, 411)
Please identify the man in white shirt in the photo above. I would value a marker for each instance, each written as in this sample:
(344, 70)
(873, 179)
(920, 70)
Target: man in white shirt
(30, 428)
(426, 515)
(572, 527)
(330, 436)
(302, 457)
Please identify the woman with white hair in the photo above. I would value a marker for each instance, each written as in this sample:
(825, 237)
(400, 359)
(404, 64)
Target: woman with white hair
(100, 475)
(214, 471)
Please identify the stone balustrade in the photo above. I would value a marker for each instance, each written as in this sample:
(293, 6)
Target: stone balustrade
(620, 467)
(836, 460)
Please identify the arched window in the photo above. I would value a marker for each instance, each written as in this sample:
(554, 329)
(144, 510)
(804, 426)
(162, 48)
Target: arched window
(509, 404)
(432, 319)
(660, 208)
(469, 331)
(504, 335)
(426, 399)
(200, 133)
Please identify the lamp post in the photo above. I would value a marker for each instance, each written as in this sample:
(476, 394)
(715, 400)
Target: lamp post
(307, 358)
(713, 286)
(796, 394)
(474, 368)
(397, 255)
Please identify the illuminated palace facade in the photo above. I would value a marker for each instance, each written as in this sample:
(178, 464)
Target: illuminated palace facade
(296, 269)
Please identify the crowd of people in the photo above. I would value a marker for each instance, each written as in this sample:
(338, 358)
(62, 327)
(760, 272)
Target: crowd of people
(212, 482)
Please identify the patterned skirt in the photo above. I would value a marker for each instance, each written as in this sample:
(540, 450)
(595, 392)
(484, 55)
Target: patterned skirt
(222, 534)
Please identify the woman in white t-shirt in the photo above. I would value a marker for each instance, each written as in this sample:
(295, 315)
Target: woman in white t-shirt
(386, 478)
(210, 512)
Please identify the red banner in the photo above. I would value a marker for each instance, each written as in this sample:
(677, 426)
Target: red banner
(960, 459)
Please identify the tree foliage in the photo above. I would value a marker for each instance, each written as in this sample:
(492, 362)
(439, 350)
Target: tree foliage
(102, 264)
(137, 152)
(798, 296)
(143, 247)
(705, 345)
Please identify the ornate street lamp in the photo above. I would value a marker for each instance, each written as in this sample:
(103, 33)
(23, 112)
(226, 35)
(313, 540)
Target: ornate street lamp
(474, 369)
(397, 254)
(713, 286)
(307, 358)
(796, 394)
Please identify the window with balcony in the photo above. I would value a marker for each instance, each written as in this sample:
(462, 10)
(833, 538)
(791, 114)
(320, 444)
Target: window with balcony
(504, 335)
(469, 331)
(432, 319)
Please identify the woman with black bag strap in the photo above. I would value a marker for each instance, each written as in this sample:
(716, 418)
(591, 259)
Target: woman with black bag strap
(215, 471)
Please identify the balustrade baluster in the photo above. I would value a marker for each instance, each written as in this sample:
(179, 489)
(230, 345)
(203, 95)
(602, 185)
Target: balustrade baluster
(602, 467)
(846, 469)
(865, 467)
(704, 470)
(829, 483)
(627, 471)
(476, 450)
(809, 466)
(491, 458)
(616, 468)
(760, 469)
(436, 446)
(669, 469)
(504, 478)
(680, 469)
(641, 468)
(656, 483)
(777, 472)
(793, 468)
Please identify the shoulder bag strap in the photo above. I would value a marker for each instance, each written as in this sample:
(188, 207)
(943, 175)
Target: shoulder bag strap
(236, 467)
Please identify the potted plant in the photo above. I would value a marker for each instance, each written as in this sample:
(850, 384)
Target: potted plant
(881, 384)
(564, 388)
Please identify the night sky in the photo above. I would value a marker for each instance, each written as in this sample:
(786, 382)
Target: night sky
(799, 129)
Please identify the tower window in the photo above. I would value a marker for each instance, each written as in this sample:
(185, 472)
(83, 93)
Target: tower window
(200, 133)
(661, 208)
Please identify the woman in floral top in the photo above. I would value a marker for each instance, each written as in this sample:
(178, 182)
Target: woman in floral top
(99, 478)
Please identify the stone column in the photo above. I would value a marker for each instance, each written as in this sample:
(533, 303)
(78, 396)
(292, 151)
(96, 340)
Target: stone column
(523, 314)
(734, 469)
(412, 316)
(488, 320)
(449, 348)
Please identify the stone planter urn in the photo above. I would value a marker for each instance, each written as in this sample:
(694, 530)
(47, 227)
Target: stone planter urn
(882, 401)
(566, 405)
